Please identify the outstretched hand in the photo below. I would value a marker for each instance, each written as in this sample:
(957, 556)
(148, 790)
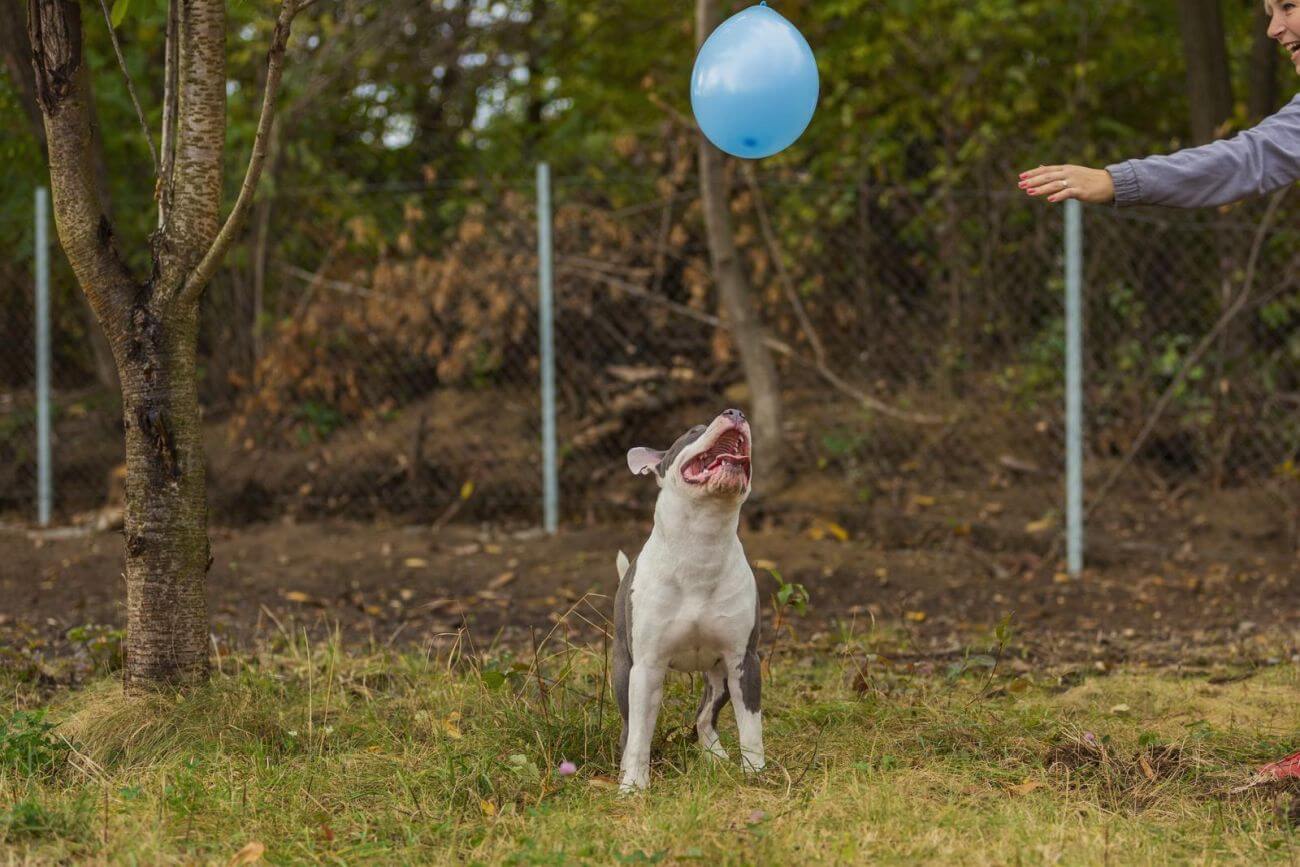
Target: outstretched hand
(1059, 183)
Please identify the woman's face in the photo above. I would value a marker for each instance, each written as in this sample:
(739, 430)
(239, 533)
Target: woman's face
(1284, 26)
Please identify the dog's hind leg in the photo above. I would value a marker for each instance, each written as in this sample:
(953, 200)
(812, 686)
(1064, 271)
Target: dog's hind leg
(622, 672)
(712, 700)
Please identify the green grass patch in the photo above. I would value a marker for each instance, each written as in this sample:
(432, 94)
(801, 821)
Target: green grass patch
(321, 754)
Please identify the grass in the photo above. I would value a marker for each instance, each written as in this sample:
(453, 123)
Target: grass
(320, 754)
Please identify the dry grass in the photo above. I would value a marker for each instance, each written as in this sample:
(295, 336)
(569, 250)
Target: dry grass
(326, 755)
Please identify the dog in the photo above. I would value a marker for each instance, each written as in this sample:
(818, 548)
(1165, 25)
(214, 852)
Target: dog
(689, 601)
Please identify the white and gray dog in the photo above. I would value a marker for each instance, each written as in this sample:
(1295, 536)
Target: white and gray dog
(689, 601)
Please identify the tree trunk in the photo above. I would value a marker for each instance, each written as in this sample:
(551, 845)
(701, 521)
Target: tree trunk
(1265, 89)
(166, 528)
(1209, 88)
(734, 292)
(152, 323)
(167, 552)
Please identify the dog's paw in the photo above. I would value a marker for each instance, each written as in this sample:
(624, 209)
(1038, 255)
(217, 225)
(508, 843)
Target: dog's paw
(715, 751)
(633, 783)
(753, 764)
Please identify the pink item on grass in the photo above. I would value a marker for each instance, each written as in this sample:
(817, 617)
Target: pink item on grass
(1288, 768)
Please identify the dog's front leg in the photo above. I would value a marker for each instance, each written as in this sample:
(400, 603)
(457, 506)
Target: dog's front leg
(645, 692)
(745, 685)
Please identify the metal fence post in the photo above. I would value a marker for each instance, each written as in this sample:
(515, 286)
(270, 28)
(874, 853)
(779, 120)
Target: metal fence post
(44, 476)
(546, 336)
(1074, 385)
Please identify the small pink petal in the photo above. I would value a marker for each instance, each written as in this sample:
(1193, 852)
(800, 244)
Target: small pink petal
(568, 769)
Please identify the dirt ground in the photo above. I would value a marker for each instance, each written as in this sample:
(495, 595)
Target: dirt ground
(921, 577)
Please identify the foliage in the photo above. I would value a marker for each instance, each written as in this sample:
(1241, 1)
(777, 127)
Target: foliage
(26, 745)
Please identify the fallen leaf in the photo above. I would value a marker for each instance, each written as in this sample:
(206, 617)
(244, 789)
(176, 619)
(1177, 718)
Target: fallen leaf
(466, 490)
(764, 564)
(1146, 767)
(837, 531)
(450, 728)
(415, 563)
(488, 808)
(501, 580)
(297, 596)
(1040, 526)
(1025, 788)
(1120, 709)
(923, 501)
(464, 550)
(250, 854)
(1061, 578)
(915, 616)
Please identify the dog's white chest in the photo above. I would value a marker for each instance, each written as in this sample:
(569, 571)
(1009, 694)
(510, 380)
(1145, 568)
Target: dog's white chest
(696, 637)
(690, 623)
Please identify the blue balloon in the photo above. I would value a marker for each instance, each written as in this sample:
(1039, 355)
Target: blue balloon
(754, 87)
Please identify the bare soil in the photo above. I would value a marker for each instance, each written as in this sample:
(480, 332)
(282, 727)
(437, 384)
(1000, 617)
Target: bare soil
(931, 581)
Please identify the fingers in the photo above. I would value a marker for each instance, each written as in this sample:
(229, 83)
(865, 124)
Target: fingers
(1065, 193)
(1039, 172)
(1055, 183)
(1059, 183)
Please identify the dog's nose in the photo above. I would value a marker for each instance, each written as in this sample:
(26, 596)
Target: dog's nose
(734, 415)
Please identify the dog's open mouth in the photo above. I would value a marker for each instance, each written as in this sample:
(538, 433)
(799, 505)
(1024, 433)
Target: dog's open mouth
(725, 463)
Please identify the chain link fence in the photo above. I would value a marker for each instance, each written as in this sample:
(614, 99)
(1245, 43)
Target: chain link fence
(386, 365)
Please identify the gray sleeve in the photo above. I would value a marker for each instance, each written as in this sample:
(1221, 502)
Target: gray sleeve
(1255, 162)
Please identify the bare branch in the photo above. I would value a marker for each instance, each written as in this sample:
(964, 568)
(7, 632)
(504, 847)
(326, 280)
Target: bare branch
(130, 85)
(1237, 305)
(778, 262)
(199, 277)
(170, 104)
(86, 233)
(778, 346)
(196, 182)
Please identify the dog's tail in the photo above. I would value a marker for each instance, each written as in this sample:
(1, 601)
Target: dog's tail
(621, 563)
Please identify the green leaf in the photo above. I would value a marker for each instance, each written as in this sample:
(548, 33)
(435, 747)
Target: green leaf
(493, 679)
(119, 11)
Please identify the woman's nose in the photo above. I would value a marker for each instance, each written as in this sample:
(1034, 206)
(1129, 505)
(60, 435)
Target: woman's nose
(1277, 26)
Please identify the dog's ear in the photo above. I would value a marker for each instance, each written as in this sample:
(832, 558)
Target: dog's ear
(642, 460)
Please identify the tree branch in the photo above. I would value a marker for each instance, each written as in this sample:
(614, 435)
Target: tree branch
(199, 277)
(778, 262)
(130, 85)
(167, 157)
(1230, 313)
(778, 346)
(196, 180)
(86, 233)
